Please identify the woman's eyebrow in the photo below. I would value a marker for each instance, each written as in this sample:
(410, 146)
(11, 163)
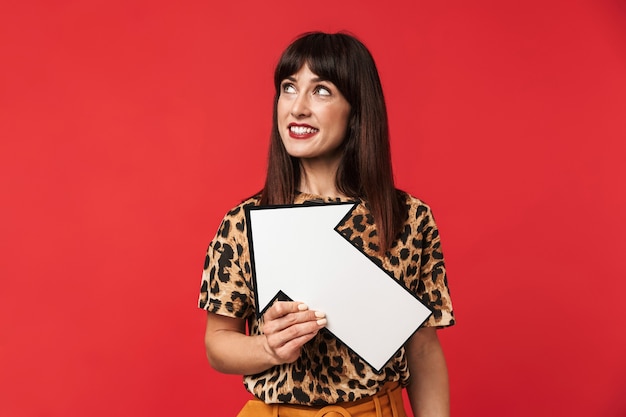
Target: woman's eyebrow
(314, 79)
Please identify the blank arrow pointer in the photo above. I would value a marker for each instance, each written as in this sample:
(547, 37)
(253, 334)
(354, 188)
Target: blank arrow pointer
(297, 250)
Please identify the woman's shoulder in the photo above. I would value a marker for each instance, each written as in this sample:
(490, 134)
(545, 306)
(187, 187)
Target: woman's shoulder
(253, 200)
(413, 202)
(238, 211)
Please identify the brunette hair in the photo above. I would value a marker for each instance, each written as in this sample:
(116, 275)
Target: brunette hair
(365, 169)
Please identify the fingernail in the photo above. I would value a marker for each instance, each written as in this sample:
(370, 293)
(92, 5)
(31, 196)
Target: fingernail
(319, 314)
(322, 322)
(303, 307)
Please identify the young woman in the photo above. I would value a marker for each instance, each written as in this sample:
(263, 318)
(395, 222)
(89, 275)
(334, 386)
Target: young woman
(329, 143)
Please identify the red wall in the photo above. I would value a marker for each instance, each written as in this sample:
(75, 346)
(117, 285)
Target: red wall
(129, 128)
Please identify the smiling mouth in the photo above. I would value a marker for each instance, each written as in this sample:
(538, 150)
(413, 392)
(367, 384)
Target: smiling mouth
(302, 130)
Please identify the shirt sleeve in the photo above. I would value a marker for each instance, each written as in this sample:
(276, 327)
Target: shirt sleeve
(433, 280)
(226, 278)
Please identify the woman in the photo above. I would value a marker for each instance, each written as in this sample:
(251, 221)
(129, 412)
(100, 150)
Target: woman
(329, 143)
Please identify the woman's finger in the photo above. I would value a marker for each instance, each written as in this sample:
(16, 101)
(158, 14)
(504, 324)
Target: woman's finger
(282, 308)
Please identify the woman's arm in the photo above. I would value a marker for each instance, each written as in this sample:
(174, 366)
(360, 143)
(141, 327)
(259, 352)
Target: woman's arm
(287, 326)
(428, 387)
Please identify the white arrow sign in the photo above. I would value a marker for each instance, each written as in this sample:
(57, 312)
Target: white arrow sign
(297, 251)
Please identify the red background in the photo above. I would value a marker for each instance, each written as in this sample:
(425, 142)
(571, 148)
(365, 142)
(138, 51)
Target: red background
(129, 128)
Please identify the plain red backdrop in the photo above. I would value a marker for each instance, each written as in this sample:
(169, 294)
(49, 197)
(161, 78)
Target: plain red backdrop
(128, 128)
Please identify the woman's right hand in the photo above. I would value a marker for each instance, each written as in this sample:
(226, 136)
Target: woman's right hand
(287, 326)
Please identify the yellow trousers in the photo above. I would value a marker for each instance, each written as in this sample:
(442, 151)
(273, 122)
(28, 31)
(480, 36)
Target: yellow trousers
(387, 403)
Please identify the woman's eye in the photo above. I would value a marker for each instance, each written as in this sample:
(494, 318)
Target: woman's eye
(288, 88)
(322, 91)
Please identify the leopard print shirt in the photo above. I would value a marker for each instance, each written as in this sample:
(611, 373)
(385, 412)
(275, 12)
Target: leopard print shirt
(327, 372)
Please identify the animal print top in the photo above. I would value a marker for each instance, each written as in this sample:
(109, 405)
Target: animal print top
(327, 371)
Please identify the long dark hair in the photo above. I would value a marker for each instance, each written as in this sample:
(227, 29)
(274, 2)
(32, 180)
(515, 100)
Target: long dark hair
(365, 169)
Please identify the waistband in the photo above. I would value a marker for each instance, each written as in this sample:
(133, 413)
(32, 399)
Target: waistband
(386, 403)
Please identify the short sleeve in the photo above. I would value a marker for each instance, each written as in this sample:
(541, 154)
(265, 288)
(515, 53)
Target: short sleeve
(433, 280)
(226, 278)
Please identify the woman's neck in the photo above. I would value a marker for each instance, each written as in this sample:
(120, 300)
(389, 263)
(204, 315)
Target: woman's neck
(319, 179)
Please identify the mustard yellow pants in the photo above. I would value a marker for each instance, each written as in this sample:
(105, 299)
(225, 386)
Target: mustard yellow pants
(387, 403)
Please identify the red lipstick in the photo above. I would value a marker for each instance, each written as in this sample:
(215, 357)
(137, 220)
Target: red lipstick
(301, 131)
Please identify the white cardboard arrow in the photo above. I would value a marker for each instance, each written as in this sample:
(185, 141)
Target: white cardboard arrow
(297, 251)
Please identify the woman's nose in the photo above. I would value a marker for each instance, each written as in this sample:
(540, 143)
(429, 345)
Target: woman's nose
(301, 106)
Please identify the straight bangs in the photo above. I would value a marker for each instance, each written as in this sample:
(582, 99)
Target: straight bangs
(326, 55)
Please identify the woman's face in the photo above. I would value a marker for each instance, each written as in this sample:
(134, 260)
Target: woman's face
(312, 117)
